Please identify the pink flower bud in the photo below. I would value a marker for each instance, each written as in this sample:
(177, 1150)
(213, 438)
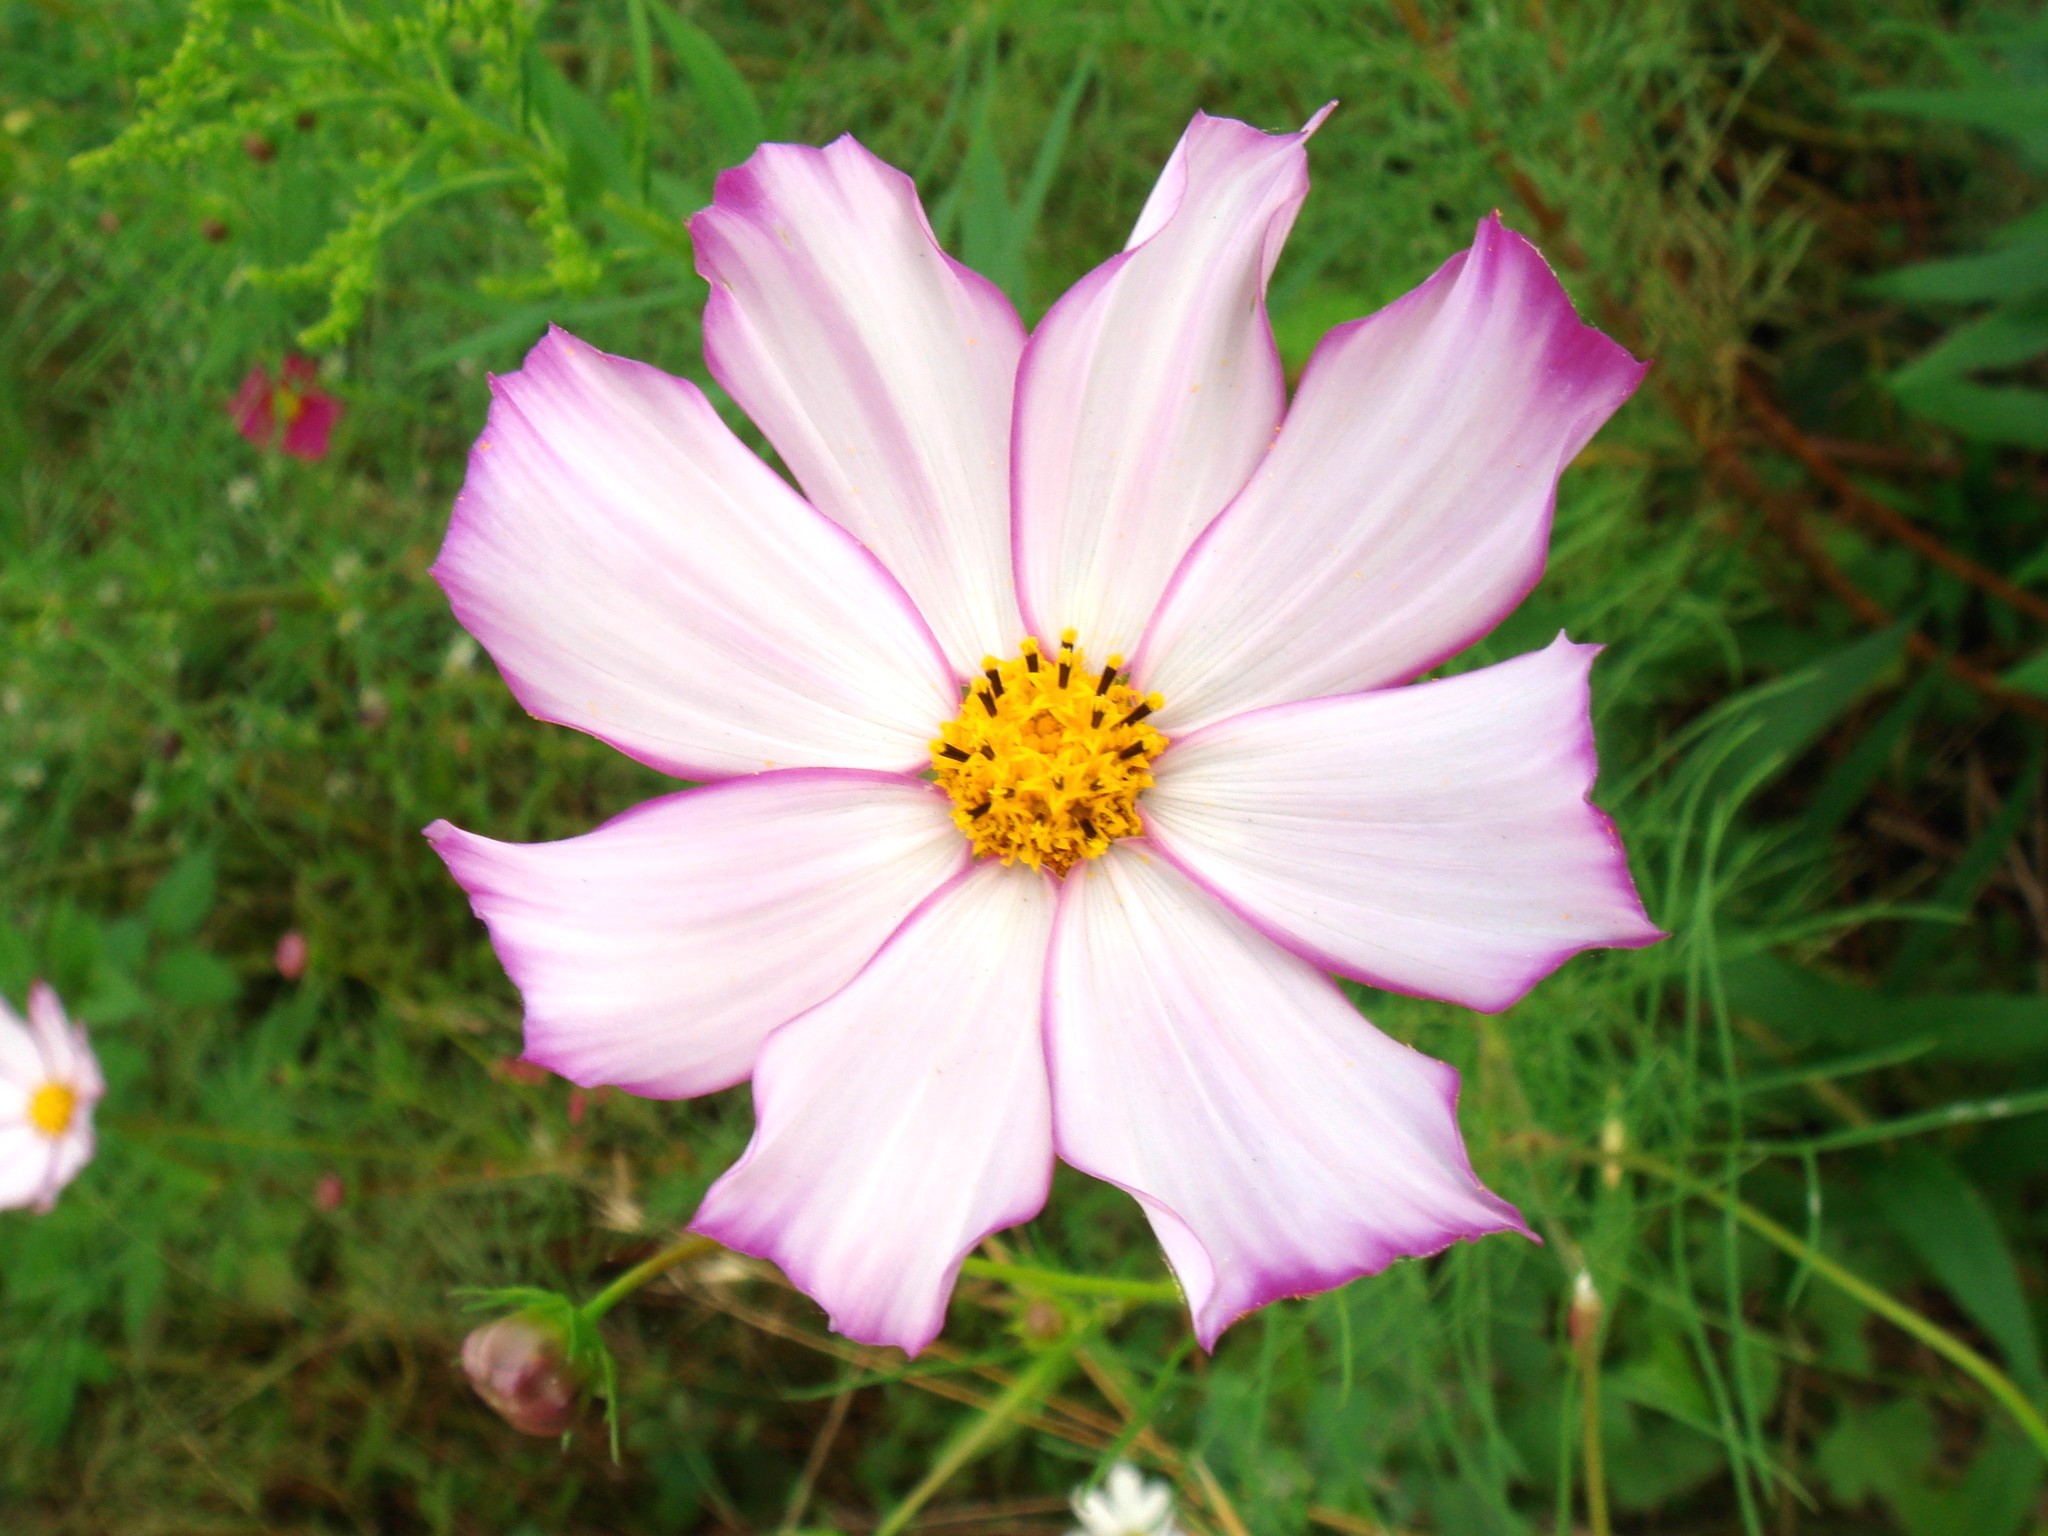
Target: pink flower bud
(518, 1366)
(291, 955)
(330, 1191)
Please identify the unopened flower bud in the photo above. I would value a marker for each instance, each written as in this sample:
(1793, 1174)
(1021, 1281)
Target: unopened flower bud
(1587, 1309)
(330, 1191)
(259, 149)
(291, 955)
(519, 1367)
(1613, 1142)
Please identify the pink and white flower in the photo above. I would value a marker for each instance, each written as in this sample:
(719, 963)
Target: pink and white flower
(293, 414)
(962, 900)
(49, 1083)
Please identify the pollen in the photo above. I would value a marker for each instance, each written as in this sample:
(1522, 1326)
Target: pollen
(50, 1108)
(1047, 757)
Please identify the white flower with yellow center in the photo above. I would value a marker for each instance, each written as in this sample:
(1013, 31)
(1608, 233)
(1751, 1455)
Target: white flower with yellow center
(49, 1083)
(1127, 1504)
(1058, 728)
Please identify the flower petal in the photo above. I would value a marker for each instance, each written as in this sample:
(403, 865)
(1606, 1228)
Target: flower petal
(1148, 392)
(1405, 507)
(1278, 1142)
(66, 1056)
(903, 1119)
(306, 435)
(26, 1158)
(638, 574)
(252, 409)
(21, 1060)
(656, 953)
(879, 368)
(1434, 839)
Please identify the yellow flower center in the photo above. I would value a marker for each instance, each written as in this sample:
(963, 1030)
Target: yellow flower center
(50, 1108)
(1046, 759)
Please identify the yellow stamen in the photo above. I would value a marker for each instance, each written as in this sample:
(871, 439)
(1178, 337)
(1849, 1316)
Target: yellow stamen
(50, 1108)
(1046, 759)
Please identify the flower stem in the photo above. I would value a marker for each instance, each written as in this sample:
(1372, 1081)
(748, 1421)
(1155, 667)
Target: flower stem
(678, 1252)
(1939, 1339)
(1031, 1384)
(1031, 1277)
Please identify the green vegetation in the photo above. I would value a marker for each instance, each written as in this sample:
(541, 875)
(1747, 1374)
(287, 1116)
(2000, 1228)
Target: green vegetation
(1799, 1148)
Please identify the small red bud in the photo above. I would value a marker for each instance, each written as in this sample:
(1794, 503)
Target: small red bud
(330, 1191)
(1582, 1322)
(517, 1366)
(214, 230)
(304, 122)
(259, 149)
(517, 1069)
(1043, 1322)
(291, 955)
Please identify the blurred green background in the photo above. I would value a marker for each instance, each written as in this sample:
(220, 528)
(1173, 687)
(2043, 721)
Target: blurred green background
(1799, 1147)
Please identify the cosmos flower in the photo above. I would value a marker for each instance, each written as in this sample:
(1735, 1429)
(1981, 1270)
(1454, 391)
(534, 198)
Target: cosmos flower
(295, 402)
(1127, 1504)
(49, 1083)
(1056, 739)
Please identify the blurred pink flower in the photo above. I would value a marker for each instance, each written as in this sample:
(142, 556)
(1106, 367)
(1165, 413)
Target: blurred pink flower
(49, 1084)
(957, 915)
(329, 1192)
(291, 955)
(306, 413)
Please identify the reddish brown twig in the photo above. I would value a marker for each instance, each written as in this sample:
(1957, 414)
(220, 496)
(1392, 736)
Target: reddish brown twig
(1785, 522)
(1865, 508)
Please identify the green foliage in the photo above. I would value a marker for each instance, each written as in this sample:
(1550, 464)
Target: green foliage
(2001, 90)
(230, 696)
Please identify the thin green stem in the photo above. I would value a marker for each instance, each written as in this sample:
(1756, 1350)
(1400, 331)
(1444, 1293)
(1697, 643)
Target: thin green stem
(1988, 1376)
(678, 1252)
(1027, 1277)
(1586, 1341)
(1029, 1386)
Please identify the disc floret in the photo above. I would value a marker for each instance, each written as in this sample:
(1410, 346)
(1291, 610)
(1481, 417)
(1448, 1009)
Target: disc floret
(1047, 757)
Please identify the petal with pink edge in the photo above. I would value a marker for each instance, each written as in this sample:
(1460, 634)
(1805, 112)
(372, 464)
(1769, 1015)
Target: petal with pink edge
(905, 1118)
(879, 368)
(638, 574)
(656, 953)
(1405, 507)
(1148, 393)
(1434, 839)
(21, 1060)
(66, 1057)
(1278, 1142)
(27, 1158)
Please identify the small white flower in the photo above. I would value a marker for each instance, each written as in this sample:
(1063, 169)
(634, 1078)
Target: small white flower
(49, 1083)
(1127, 1504)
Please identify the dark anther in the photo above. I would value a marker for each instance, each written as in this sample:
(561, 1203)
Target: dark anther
(988, 703)
(1136, 715)
(980, 810)
(988, 751)
(1130, 752)
(1031, 661)
(1089, 827)
(995, 683)
(1095, 718)
(1108, 677)
(953, 752)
